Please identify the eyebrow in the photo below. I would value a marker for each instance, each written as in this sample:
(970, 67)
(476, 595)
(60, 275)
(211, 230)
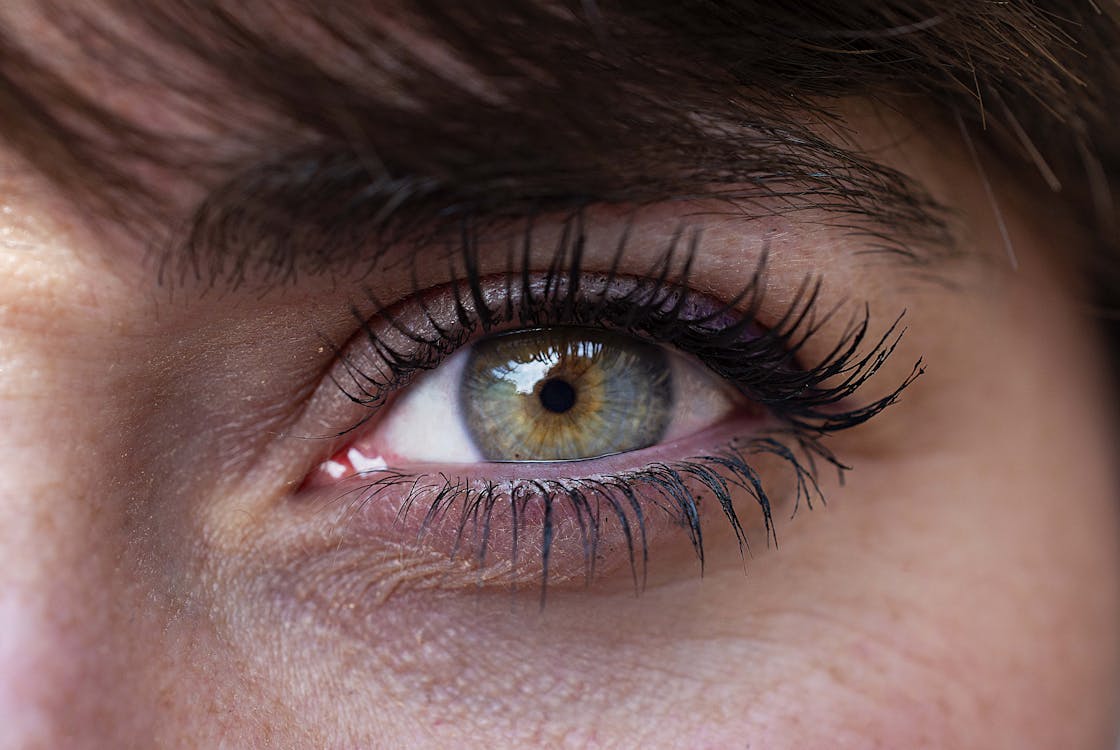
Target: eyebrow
(343, 131)
(324, 211)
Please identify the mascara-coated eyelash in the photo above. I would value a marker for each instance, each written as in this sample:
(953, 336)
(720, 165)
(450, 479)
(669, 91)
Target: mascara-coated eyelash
(762, 359)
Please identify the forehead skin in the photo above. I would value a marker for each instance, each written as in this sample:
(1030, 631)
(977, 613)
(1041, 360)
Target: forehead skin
(962, 589)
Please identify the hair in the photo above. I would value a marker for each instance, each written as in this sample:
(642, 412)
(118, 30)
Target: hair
(501, 105)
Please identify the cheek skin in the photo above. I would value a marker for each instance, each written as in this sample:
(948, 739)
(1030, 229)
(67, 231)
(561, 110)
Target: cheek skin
(971, 598)
(97, 647)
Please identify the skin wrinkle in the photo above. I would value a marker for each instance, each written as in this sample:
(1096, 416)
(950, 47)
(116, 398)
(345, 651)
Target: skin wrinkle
(456, 696)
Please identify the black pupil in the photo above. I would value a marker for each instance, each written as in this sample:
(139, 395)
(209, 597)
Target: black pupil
(558, 396)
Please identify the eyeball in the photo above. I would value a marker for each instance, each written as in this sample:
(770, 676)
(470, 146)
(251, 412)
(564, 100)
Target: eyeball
(550, 394)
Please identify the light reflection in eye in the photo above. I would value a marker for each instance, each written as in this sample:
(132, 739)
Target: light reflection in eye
(590, 393)
(555, 394)
(527, 375)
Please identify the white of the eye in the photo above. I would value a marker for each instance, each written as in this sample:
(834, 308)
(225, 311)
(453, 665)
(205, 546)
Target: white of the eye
(701, 398)
(425, 424)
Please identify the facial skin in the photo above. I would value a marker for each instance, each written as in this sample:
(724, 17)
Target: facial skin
(163, 581)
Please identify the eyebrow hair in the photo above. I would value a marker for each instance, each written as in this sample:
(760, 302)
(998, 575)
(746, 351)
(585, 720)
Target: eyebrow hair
(324, 210)
(337, 124)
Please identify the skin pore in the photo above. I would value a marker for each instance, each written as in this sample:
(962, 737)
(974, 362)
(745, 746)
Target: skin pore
(165, 581)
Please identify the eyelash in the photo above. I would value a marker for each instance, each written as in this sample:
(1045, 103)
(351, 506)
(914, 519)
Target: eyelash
(808, 403)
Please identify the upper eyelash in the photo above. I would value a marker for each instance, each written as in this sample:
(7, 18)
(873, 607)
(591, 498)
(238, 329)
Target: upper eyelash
(765, 365)
(764, 362)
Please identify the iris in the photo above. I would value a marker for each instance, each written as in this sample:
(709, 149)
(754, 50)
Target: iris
(565, 393)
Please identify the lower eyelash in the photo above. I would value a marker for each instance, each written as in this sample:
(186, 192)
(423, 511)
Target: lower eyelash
(476, 507)
(761, 361)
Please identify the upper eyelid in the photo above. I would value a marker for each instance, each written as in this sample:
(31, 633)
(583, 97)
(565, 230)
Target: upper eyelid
(815, 393)
(416, 318)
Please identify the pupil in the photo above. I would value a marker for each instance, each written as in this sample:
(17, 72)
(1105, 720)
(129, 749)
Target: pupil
(558, 396)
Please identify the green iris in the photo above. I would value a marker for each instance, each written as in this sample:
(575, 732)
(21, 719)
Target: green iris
(557, 394)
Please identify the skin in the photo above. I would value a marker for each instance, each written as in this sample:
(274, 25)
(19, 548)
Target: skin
(162, 584)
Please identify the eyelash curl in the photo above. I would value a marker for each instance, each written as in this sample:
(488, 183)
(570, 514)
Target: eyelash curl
(805, 404)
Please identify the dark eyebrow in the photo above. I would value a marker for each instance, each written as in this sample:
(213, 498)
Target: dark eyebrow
(334, 124)
(324, 210)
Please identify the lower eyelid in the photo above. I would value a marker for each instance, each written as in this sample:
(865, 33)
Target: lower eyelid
(422, 512)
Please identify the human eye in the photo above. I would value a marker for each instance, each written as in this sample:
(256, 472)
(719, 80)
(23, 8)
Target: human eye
(553, 394)
(549, 425)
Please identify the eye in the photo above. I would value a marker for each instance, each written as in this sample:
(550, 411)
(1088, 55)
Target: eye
(529, 426)
(549, 394)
